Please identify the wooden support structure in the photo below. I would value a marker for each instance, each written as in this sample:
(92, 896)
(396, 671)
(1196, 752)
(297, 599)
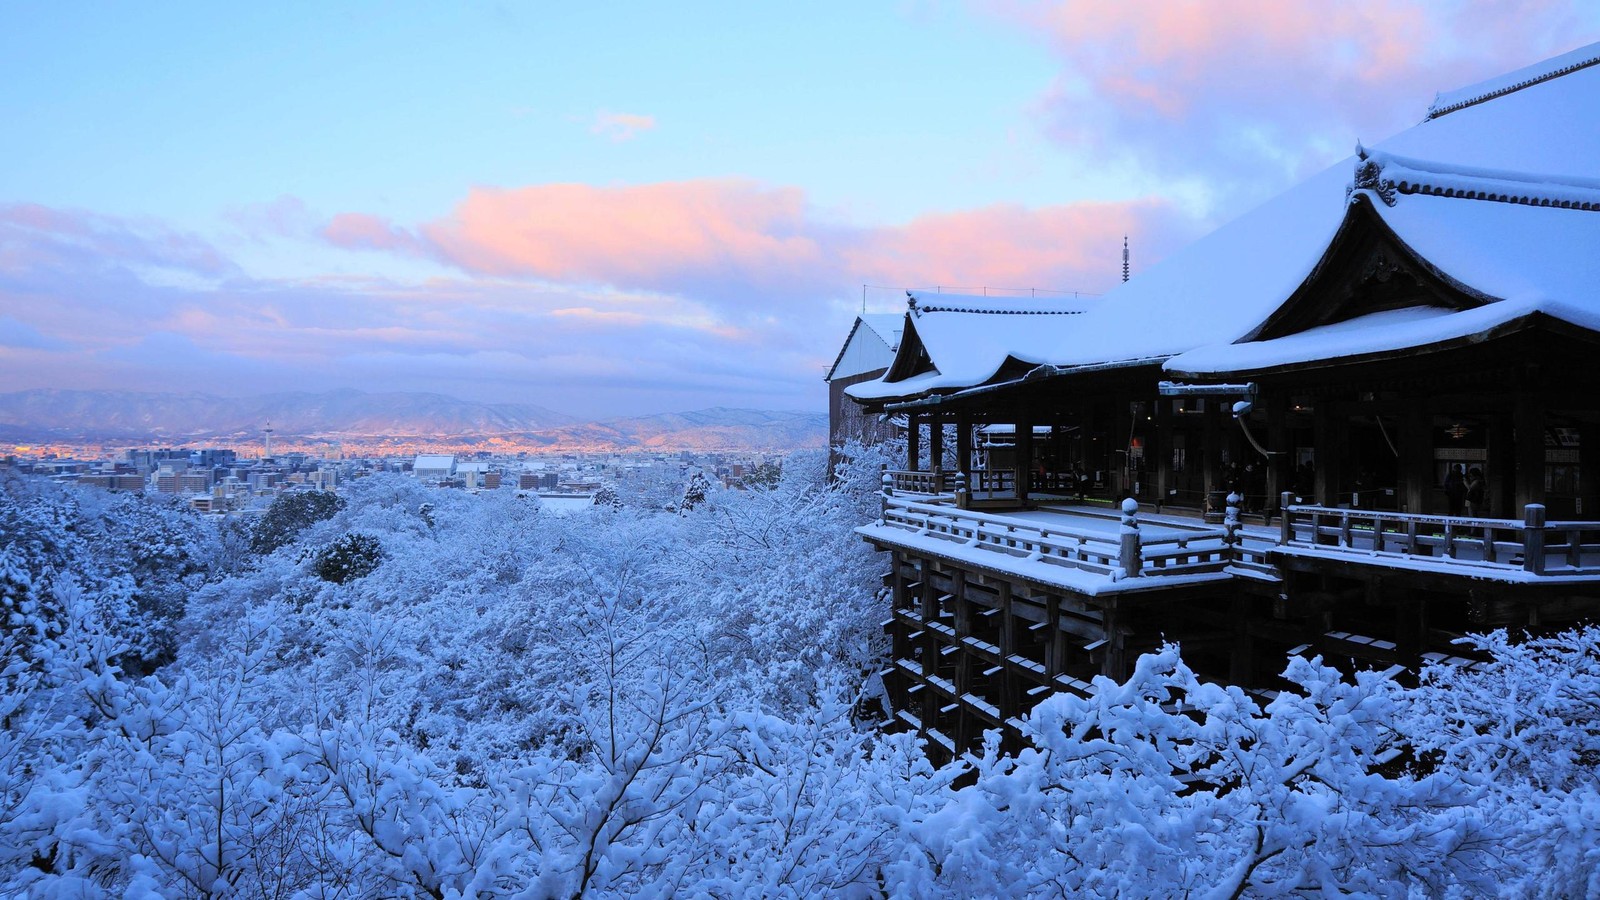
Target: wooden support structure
(913, 441)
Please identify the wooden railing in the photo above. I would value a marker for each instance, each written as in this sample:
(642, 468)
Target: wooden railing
(1531, 544)
(986, 482)
(1126, 553)
(910, 482)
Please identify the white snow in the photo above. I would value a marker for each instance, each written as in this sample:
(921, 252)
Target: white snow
(1450, 101)
(1223, 286)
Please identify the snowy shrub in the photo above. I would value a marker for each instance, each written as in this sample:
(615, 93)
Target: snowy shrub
(635, 703)
(291, 514)
(351, 556)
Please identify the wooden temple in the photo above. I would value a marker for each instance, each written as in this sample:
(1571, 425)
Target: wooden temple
(1358, 422)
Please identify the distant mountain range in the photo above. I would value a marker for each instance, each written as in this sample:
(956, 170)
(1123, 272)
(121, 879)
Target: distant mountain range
(357, 418)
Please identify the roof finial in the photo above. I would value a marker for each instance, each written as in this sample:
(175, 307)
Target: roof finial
(1124, 258)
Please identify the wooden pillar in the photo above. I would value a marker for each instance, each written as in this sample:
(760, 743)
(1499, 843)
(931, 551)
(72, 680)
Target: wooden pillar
(1211, 447)
(1588, 469)
(964, 442)
(1329, 431)
(1024, 452)
(1121, 453)
(935, 442)
(1500, 468)
(1008, 701)
(1528, 425)
(1158, 450)
(913, 440)
(1416, 456)
(1055, 641)
(1280, 466)
(1241, 659)
(1115, 663)
(1410, 627)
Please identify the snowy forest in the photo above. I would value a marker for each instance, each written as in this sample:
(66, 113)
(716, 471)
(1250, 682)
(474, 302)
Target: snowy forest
(406, 692)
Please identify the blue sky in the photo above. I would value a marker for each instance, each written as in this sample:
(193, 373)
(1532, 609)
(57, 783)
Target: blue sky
(632, 208)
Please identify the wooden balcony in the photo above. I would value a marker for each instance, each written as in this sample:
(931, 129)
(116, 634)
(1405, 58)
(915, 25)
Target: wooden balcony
(933, 511)
(1087, 549)
(1530, 549)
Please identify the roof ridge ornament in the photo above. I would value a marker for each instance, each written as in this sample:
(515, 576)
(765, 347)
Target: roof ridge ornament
(1369, 177)
(1388, 176)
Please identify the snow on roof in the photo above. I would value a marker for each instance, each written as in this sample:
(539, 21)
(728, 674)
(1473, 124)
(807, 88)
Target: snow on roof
(1388, 175)
(968, 338)
(887, 326)
(1510, 82)
(433, 462)
(882, 327)
(1511, 252)
(1223, 286)
(1379, 332)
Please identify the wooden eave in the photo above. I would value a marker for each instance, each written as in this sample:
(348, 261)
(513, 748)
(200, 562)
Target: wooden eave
(1038, 386)
(1423, 356)
(1365, 269)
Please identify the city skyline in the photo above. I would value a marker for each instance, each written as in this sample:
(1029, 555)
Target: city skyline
(644, 209)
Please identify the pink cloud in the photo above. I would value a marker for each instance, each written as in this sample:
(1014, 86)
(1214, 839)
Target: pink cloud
(1068, 247)
(359, 231)
(669, 235)
(1264, 91)
(35, 238)
(620, 127)
(735, 250)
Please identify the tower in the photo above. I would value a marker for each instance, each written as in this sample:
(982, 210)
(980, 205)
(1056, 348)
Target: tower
(1124, 258)
(268, 432)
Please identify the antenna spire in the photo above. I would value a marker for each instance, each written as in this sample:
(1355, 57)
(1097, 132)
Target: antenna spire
(1124, 258)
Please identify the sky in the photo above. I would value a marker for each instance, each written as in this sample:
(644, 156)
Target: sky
(620, 209)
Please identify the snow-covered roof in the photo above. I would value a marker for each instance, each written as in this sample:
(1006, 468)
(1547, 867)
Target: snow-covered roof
(434, 462)
(869, 346)
(1499, 86)
(1529, 142)
(962, 340)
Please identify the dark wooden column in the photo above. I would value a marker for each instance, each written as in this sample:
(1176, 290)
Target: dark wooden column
(913, 440)
(1328, 424)
(1024, 435)
(1528, 425)
(1158, 449)
(1280, 466)
(935, 442)
(1588, 469)
(964, 442)
(1211, 446)
(1500, 470)
(1416, 455)
(1120, 451)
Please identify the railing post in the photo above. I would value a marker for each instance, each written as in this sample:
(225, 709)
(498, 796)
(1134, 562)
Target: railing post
(963, 494)
(888, 483)
(1230, 518)
(1286, 532)
(1533, 538)
(1129, 557)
